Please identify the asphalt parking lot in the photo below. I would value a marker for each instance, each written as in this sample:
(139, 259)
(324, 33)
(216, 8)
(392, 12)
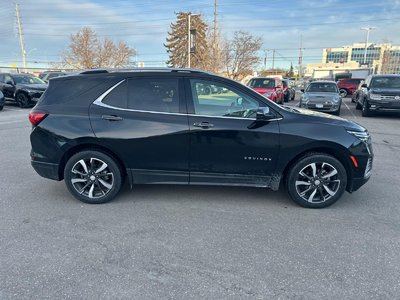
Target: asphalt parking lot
(182, 242)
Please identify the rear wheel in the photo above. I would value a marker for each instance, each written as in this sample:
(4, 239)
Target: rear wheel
(343, 93)
(22, 100)
(93, 177)
(316, 180)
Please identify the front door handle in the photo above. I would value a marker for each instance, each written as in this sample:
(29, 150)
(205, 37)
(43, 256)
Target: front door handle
(203, 125)
(111, 118)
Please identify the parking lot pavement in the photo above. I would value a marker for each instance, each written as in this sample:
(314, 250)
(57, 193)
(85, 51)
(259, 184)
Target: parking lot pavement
(186, 242)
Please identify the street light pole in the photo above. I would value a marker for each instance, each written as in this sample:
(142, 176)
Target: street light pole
(368, 29)
(188, 38)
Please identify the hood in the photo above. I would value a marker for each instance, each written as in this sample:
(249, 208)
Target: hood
(321, 118)
(385, 91)
(264, 90)
(38, 86)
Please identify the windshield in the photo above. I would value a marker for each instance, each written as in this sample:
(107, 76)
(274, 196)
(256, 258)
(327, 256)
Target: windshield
(27, 79)
(262, 83)
(322, 87)
(386, 82)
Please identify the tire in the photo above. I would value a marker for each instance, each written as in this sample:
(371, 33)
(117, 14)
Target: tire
(294, 95)
(91, 185)
(337, 113)
(1, 107)
(286, 97)
(365, 109)
(207, 90)
(343, 93)
(358, 105)
(315, 189)
(22, 100)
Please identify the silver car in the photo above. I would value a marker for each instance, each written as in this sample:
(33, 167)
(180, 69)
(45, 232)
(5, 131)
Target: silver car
(322, 96)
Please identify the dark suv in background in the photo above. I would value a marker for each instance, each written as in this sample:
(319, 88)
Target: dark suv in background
(379, 93)
(96, 128)
(24, 89)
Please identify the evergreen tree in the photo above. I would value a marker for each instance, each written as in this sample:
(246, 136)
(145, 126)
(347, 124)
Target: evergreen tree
(290, 73)
(177, 43)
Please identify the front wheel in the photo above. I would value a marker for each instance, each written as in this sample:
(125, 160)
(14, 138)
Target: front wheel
(22, 100)
(316, 180)
(93, 177)
(366, 112)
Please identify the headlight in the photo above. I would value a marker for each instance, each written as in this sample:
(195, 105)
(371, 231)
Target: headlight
(375, 97)
(304, 99)
(336, 99)
(361, 135)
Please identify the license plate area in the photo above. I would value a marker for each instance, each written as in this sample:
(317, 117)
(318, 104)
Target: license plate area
(319, 105)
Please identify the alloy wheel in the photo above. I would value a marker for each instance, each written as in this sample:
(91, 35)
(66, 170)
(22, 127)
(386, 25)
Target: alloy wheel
(317, 182)
(343, 93)
(92, 178)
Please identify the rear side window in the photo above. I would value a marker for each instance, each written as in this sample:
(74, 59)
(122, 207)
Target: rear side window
(150, 94)
(118, 96)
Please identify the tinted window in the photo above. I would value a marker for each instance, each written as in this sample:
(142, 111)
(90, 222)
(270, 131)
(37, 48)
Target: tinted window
(23, 79)
(322, 87)
(216, 99)
(53, 75)
(118, 96)
(267, 83)
(151, 94)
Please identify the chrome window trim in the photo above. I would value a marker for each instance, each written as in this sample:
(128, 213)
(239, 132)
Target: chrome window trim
(99, 102)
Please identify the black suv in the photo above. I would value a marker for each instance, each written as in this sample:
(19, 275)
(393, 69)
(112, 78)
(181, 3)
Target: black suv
(96, 128)
(25, 89)
(379, 93)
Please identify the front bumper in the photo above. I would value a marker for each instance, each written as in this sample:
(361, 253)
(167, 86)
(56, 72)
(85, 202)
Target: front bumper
(326, 107)
(384, 105)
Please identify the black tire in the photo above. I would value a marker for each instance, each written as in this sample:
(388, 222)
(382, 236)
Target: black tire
(337, 113)
(366, 112)
(294, 95)
(22, 100)
(324, 165)
(358, 105)
(286, 97)
(207, 90)
(1, 107)
(104, 186)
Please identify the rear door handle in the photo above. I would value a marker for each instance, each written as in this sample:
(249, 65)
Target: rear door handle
(203, 125)
(111, 118)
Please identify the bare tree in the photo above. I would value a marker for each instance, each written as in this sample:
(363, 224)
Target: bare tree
(240, 55)
(86, 51)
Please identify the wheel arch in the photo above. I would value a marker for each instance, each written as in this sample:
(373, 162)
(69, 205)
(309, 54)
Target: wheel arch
(87, 146)
(339, 155)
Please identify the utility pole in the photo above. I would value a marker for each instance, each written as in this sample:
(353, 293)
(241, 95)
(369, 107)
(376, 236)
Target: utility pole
(368, 29)
(188, 37)
(301, 57)
(273, 59)
(215, 31)
(21, 38)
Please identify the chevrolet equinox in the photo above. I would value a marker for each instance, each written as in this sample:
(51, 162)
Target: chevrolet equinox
(155, 126)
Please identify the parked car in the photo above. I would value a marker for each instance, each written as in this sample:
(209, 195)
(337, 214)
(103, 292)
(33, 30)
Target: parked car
(321, 96)
(47, 75)
(97, 128)
(270, 87)
(356, 93)
(2, 101)
(347, 86)
(379, 93)
(24, 89)
(288, 92)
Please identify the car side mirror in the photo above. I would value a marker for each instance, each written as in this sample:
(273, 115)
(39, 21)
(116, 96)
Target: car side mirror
(9, 82)
(302, 90)
(264, 114)
(364, 85)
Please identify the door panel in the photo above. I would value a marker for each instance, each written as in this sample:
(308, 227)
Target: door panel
(231, 147)
(154, 145)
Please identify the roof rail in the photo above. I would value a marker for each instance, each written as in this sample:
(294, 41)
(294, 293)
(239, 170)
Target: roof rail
(102, 71)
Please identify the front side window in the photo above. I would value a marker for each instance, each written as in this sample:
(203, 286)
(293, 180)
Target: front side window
(149, 94)
(216, 99)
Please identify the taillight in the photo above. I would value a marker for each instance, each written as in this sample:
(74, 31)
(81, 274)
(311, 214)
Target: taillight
(35, 117)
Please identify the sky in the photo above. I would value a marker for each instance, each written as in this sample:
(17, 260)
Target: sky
(143, 25)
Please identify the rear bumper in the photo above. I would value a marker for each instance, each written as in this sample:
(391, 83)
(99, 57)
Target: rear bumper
(46, 170)
(357, 183)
